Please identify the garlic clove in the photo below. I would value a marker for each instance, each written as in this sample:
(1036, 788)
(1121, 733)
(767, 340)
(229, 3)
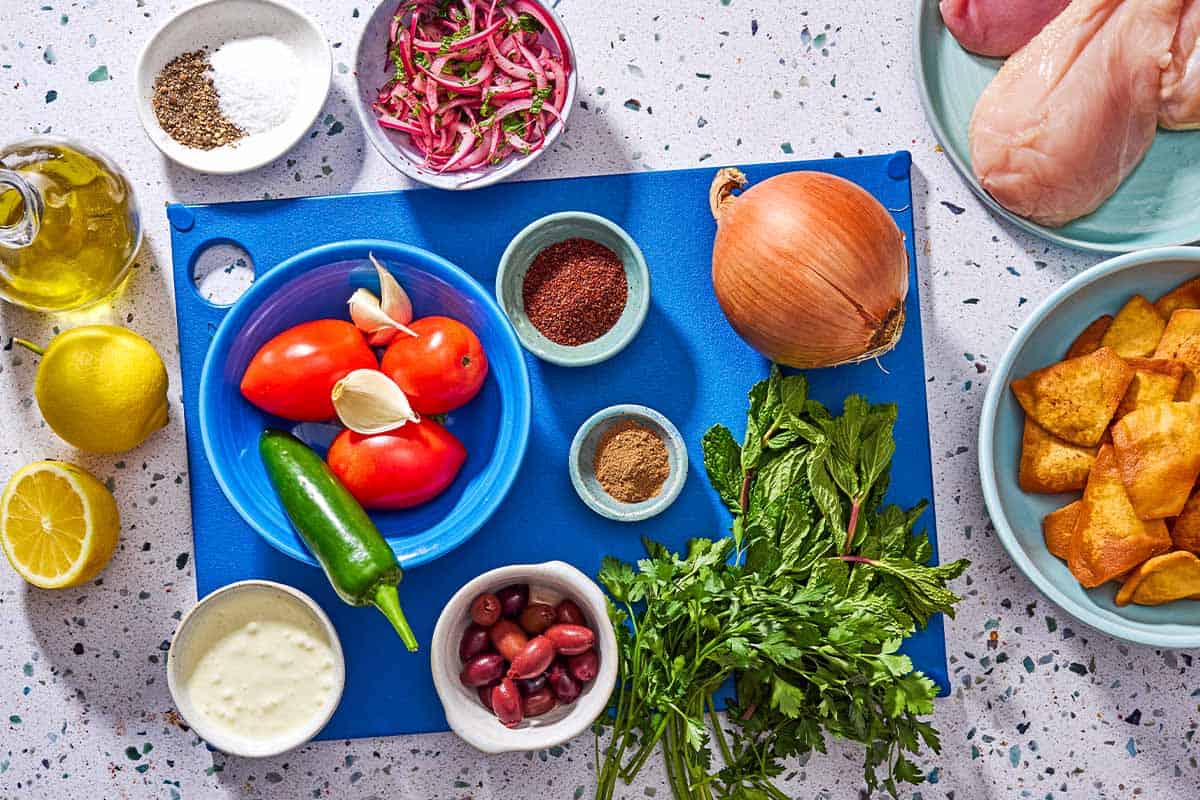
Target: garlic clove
(393, 299)
(382, 337)
(366, 311)
(368, 402)
(369, 317)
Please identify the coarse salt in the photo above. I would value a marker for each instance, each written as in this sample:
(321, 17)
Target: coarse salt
(257, 79)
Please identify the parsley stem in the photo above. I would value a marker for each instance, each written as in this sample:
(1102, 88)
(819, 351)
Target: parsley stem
(772, 790)
(646, 750)
(719, 733)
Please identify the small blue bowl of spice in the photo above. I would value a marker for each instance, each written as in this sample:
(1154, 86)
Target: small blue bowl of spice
(575, 287)
(628, 463)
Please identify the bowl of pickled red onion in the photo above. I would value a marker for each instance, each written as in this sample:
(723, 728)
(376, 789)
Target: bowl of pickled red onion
(465, 94)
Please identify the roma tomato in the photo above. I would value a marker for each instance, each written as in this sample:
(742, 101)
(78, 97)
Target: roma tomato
(441, 368)
(401, 468)
(292, 376)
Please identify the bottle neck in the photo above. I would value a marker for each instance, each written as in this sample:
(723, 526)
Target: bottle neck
(24, 230)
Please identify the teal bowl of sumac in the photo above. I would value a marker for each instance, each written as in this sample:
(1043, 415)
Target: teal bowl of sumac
(575, 287)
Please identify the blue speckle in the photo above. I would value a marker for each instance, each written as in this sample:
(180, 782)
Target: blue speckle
(1131, 748)
(1014, 755)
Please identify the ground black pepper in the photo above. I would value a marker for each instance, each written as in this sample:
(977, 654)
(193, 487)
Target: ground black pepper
(187, 104)
(575, 291)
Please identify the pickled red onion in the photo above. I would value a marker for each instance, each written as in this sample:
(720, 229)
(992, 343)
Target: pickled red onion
(473, 80)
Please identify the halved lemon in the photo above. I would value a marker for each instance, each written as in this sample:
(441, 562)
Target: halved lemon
(58, 524)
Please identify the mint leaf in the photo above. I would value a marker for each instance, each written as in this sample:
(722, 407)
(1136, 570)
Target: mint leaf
(793, 394)
(924, 587)
(878, 444)
(826, 497)
(722, 462)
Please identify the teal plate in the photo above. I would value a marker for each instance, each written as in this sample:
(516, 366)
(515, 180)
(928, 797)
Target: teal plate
(1017, 515)
(1156, 206)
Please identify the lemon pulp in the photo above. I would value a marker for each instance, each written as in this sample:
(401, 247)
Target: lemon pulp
(58, 524)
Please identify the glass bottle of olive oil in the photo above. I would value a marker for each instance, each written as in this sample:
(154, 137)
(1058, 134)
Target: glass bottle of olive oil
(69, 226)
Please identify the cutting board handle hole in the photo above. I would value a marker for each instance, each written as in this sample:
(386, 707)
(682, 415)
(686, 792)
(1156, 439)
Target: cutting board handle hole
(222, 272)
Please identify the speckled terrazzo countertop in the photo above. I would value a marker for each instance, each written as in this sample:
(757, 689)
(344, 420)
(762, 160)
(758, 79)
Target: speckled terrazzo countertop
(1041, 708)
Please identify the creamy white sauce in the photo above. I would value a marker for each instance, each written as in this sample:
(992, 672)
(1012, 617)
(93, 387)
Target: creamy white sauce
(258, 669)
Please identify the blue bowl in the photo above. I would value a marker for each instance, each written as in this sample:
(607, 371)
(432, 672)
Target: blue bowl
(1017, 515)
(317, 284)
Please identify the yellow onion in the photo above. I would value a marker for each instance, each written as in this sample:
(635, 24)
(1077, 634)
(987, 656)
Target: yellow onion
(808, 267)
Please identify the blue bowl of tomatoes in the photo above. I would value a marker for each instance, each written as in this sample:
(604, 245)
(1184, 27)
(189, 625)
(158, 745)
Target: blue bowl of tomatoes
(429, 485)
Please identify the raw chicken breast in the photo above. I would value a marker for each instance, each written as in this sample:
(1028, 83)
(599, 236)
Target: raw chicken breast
(998, 27)
(1071, 114)
(1181, 82)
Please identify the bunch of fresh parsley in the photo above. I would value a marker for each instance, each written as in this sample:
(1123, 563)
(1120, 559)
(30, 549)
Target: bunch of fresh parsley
(805, 606)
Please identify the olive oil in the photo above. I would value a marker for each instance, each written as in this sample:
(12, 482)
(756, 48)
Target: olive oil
(69, 227)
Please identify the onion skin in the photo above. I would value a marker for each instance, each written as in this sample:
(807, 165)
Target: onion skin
(809, 268)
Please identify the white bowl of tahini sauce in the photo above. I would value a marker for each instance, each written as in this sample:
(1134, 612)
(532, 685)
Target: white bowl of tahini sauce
(256, 669)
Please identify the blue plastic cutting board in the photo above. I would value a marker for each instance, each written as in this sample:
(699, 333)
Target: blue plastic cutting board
(686, 362)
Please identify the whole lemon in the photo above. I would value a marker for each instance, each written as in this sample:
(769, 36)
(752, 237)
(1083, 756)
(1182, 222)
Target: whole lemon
(101, 388)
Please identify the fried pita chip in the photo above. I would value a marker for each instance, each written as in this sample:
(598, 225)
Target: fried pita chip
(1182, 325)
(1185, 295)
(1135, 331)
(1164, 579)
(1155, 380)
(1158, 453)
(1076, 399)
(1089, 340)
(1109, 539)
(1185, 533)
(1057, 527)
(1049, 465)
(1188, 354)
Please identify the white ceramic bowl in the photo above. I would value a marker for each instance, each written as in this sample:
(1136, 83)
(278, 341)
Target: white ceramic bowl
(209, 24)
(474, 724)
(182, 639)
(372, 69)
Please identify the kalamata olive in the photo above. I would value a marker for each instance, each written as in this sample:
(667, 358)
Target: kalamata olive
(568, 613)
(534, 658)
(485, 695)
(513, 599)
(531, 685)
(506, 703)
(565, 688)
(508, 638)
(485, 610)
(583, 667)
(475, 640)
(482, 669)
(570, 640)
(537, 617)
(539, 702)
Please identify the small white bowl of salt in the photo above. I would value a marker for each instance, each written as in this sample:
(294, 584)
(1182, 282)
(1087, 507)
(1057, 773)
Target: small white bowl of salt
(226, 86)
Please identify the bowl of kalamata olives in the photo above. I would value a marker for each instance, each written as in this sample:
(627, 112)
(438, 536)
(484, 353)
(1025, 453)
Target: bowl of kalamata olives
(524, 657)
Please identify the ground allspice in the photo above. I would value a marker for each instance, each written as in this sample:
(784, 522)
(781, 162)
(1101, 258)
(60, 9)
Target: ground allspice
(631, 462)
(187, 104)
(575, 291)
